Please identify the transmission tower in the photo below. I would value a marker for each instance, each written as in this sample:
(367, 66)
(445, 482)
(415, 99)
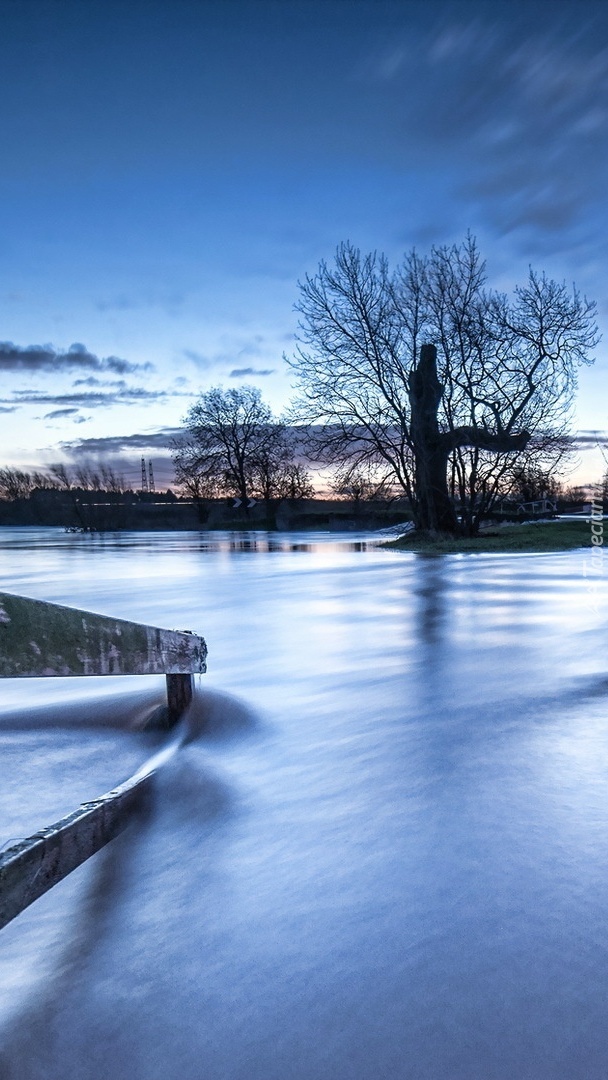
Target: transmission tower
(144, 478)
(151, 486)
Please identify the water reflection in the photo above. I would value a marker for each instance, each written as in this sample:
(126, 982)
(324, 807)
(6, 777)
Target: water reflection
(430, 588)
(248, 541)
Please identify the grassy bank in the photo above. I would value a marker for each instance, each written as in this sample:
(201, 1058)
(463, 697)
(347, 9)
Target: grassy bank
(536, 536)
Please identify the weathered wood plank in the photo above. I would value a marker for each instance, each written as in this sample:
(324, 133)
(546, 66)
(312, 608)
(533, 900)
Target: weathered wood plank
(31, 867)
(42, 639)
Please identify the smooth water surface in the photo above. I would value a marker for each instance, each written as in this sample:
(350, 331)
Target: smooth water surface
(384, 853)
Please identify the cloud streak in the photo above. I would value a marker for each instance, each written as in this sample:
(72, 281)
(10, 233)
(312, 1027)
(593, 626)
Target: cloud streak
(94, 399)
(46, 358)
(513, 104)
(92, 380)
(56, 414)
(167, 301)
(233, 349)
(240, 373)
(590, 440)
(119, 444)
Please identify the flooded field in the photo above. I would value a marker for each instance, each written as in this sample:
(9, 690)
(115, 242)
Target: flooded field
(383, 853)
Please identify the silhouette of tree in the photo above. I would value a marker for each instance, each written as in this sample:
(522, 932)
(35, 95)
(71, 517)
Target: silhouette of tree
(234, 445)
(426, 374)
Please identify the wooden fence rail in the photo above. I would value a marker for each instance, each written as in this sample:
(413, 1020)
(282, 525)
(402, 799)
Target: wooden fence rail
(38, 639)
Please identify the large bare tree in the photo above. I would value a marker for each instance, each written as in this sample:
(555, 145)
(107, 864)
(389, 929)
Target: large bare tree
(433, 379)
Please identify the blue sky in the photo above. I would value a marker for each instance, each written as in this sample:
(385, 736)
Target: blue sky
(171, 169)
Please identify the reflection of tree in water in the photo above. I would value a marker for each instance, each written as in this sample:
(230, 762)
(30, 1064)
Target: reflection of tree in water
(431, 608)
(432, 650)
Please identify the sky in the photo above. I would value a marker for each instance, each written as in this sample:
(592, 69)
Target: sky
(172, 168)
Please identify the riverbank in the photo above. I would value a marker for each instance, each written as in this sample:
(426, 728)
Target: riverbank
(535, 536)
(82, 511)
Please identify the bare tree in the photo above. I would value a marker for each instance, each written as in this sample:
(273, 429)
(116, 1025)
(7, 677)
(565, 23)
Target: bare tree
(534, 483)
(359, 483)
(233, 445)
(428, 374)
(277, 471)
(295, 482)
(18, 484)
(269, 461)
(87, 478)
(356, 349)
(197, 475)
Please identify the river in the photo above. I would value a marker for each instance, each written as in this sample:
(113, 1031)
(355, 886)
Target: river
(384, 853)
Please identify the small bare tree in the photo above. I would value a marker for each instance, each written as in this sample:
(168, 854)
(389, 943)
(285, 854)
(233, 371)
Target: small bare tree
(295, 482)
(363, 484)
(234, 445)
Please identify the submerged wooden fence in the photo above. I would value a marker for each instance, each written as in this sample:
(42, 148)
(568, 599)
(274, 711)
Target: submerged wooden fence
(38, 639)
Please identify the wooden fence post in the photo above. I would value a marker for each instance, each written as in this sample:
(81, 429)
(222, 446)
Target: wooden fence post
(180, 689)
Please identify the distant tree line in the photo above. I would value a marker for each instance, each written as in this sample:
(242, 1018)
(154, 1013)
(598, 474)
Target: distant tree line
(19, 484)
(85, 497)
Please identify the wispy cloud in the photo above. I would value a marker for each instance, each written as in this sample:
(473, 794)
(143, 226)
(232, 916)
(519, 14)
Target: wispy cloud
(41, 358)
(94, 399)
(513, 108)
(202, 360)
(117, 303)
(58, 413)
(240, 373)
(92, 380)
(119, 444)
(527, 109)
(232, 348)
(590, 440)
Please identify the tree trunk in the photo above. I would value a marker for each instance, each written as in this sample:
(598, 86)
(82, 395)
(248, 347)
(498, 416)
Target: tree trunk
(243, 492)
(434, 510)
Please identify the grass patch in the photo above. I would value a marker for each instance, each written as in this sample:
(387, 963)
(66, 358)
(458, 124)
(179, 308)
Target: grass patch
(534, 536)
